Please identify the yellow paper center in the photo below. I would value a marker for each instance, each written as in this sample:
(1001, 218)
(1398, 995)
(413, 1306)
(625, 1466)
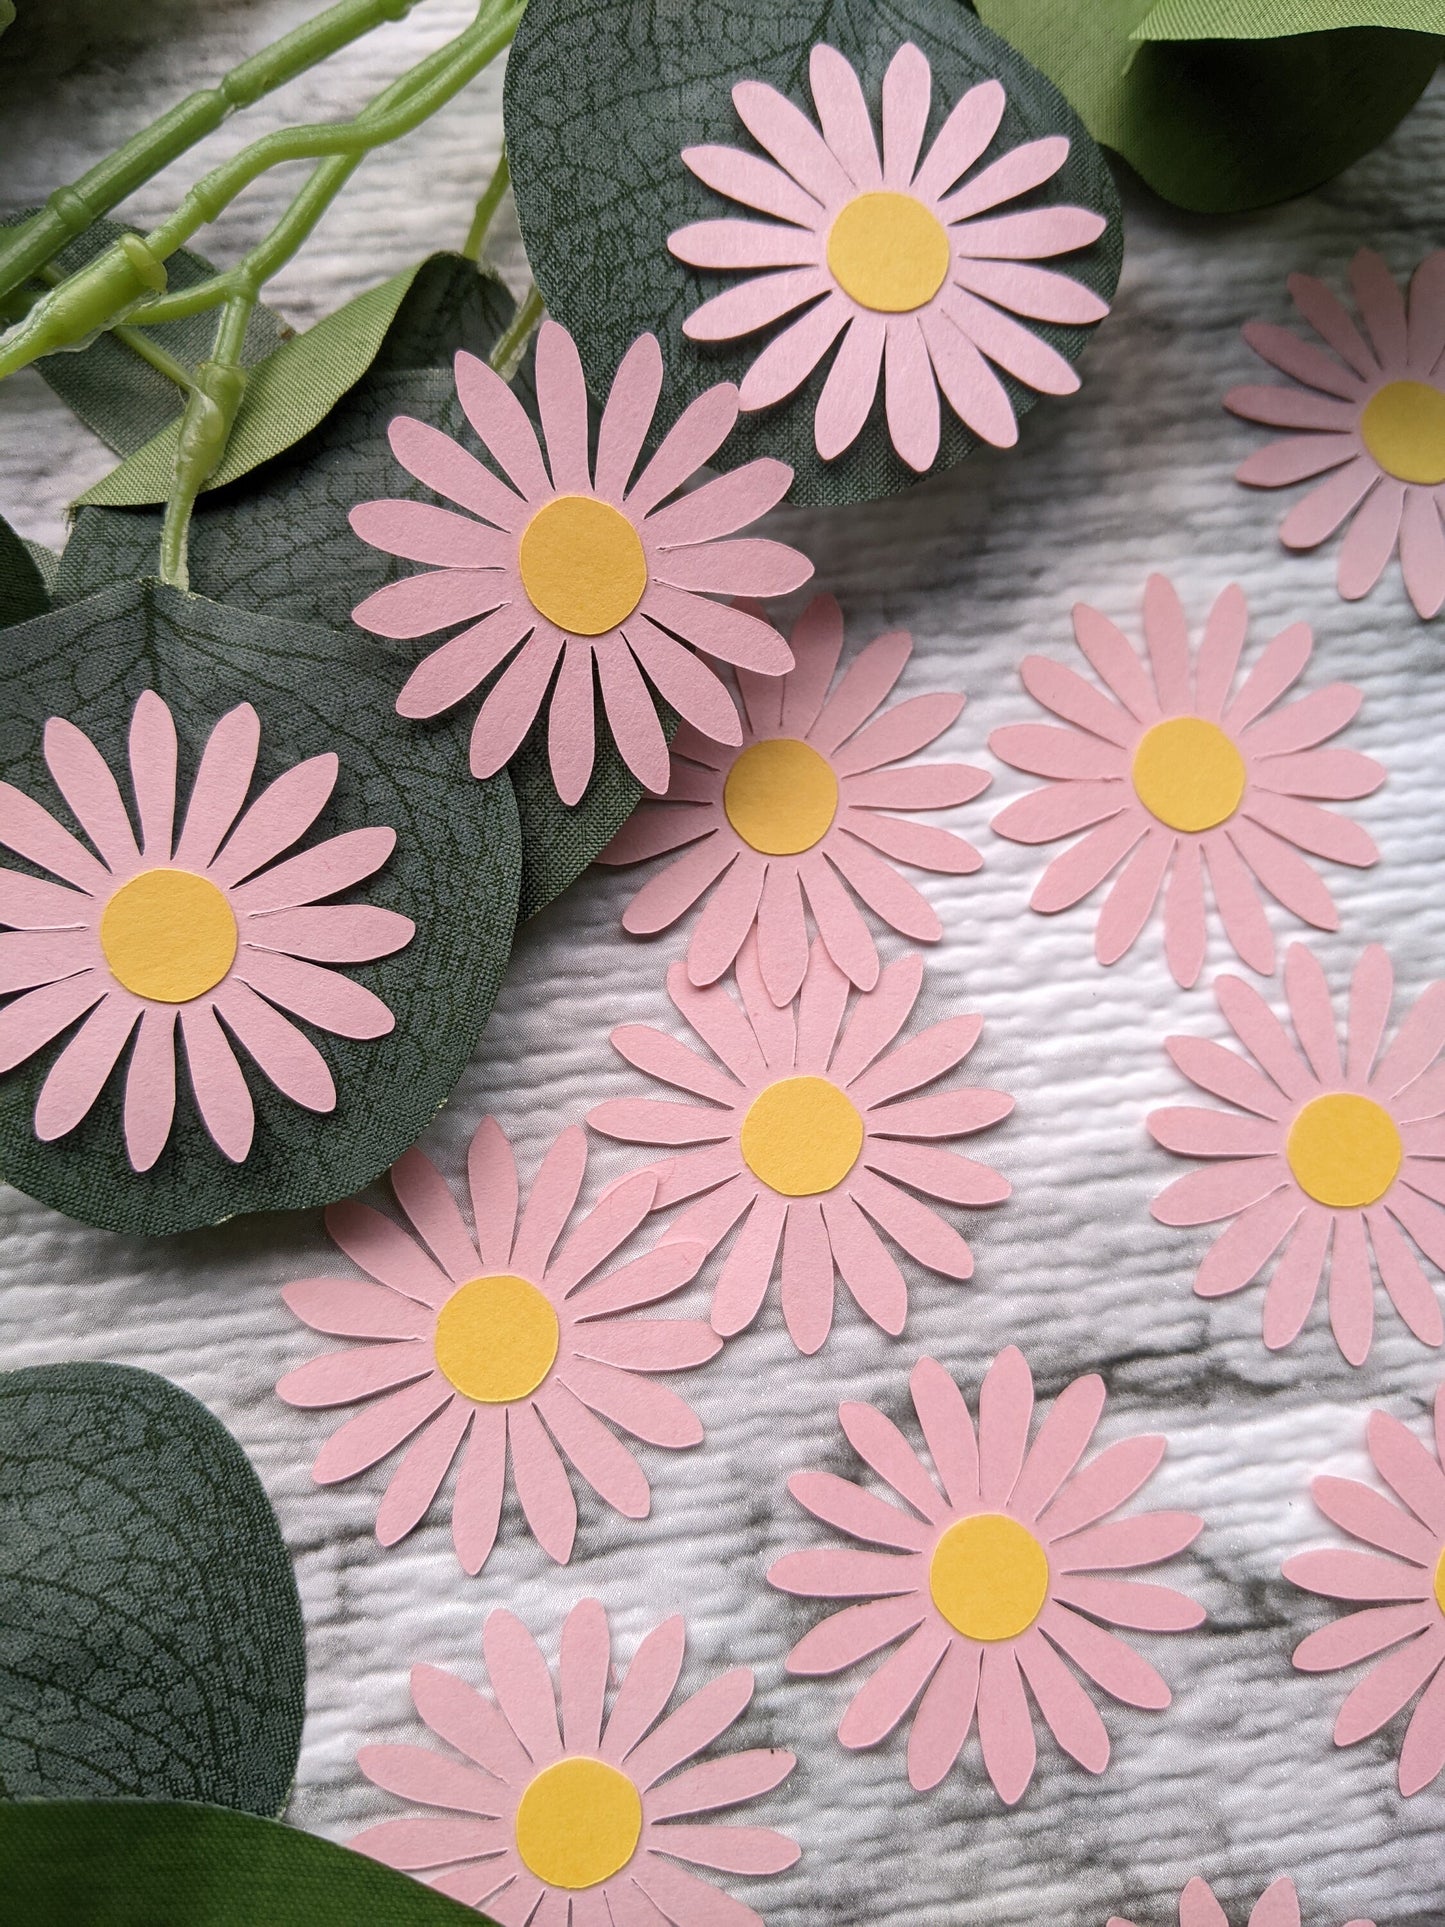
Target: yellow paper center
(578, 1823)
(888, 252)
(1344, 1150)
(496, 1338)
(801, 1136)
(1403, 426)
(168, 935)
(1188, 773)
(1440, 1582)
(582, 565)
(781, 796)
(989, 1577)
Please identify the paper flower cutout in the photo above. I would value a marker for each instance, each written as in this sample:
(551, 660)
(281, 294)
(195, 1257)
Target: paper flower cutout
(811, 1138)
(179, 933)
(802, 811)
(990, 1568)
(494, 1335)
(1370, 417)
(1405, 1574)
(584, 1822)
(1328, 1154)
(892, 256)
(581, 565)
(1174, 773)
(1277, 1906)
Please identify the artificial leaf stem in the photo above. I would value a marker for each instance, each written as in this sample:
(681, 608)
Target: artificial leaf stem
(487, 207)
(211, 404)
(508, 351)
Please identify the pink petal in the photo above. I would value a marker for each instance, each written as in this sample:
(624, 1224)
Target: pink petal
(1038, 293)
(1427, 313)
(323, 871)
(1352, 1307)
(412, 1845)
(1241, 908)
(634, 719)
(1132, 896)
(279, 817)
(1296, 1278)
(153, 753)
(501, 422)
(1313, 1013)
(910, 393)
(840, 1572)
(1317, 515)
(421, 533)
(1369, 1515)
(1120, 1544)
(1388, 1686)
(1278, 407)
(655, 829)
(150, 1087)
(419, 605)
(1240, 1253)
(1072, 876)
(436, 460)
(571, 738)
(1408, 1469)
(542, 1488)
(678, 1896)
(31, 957)
(726, 920)
(792, 354)
(340, 1378)
(840, 925)
(964, 136)
(692, 441)
(701, 1718)
(601, 1458)
(1422, 551)
(473, 1725)
(733, 1849)
(921, 786)
(919, 844)
(347, 1308)
(921, 1232)
(907, 97)
(463, 661)
(1073, 700)
(553, 1195)
(1042, 816)
(418, 1478)
(792, 140)
(1059, 1445)
(386, 1253)
(1044, 750)
(1219, 652)
(522, 1685)
(880, 1444)
(84, 779)
(756, 183)
(877, 1019)
(1286, 876)
(845, 1637)
(1409, 1290)
(843, 115)
(883, 1701)
(1199, 1908)
(1340, 1574)
(820, 1010)
(1370, 539)
(627, 416)
(608, 1225)
(1423, 1752)
(424, 1196)
(1184, 912)
(948, 1430)
(649, 1412)
(1326, 314)
(31, 904)
(1005, 1410)
(1345, 1642)
(656, 1274)
(730, 634)
(1072, 1716)
(1302, 724)
(333, 933)
(970, 387)
(1130, 1602)
(287, 1056)
(886, 893)
(720, 1783)
(1381, 306)
(673, 891)
(862, 1515)
(79, 1073)
(562, 405)
(1005, 1731)
(941, 1174)
(323, 997)
(852, 384)
(1224, 1073)
(1298, 459)
(1016, 349)
(1262, 1034)
(32, 832)
(1166, 631)
(944, 1716)
(1103, 1485)
(220, 787)
(1416, 1045)
(1277, 1906)
(868, 1270)
(646, 1688)
(1024, 167)
(782, 933)
(1033, 235)
(418, 1773)
(903, 731)
(1107, 1661)
(512, 705)
(1301, 359)
(1114, 659)
(1219, 1191)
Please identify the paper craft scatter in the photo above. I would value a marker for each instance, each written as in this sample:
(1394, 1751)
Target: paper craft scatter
(1176, 778)
(1403, 1579)
(909, 262)
(989, 1573)
(1277, 1906)
(1322, 1154)
(810, 1139)
(1369, 416)
(586, 1820)
(485, 1337)
(577, 563)
(802, 811)
(165, 936)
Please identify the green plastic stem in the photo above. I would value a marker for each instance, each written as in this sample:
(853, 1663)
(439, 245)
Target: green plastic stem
(487, 208)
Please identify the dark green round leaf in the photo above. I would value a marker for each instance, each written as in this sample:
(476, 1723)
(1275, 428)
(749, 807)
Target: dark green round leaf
(599, 184)
(22, 587)
(1216, 124)
(109, 1863)
(454, 872)
(277, 541)
(151, 1644)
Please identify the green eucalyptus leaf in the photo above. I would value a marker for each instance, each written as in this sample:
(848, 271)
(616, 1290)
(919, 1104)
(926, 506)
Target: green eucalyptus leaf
(454, 871)
(1273, 19)
(112, 388)
(596, 142)
(23, 593)
(287, 394)
(113, 1863)
(1220, 124)
(278, 542)
(151, 1645)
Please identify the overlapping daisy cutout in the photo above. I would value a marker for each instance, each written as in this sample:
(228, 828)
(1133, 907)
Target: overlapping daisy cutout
(501, 1341)
(802, 813)
(194, 938)
(1277, 1906)
(574, 566)
(582, 1822)
(815, 1140)
(1178, 777)
(1367, 414)
(1401, 1584)
(1325, 1157)
(909, 262)
(989, 1572)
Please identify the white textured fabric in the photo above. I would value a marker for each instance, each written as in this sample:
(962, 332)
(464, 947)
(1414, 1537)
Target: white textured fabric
(1239, 1779)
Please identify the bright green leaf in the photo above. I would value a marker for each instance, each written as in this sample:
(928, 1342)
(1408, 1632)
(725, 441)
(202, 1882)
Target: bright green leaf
(106, 1863)
(22, 586)
(1218, 125)
(454, 871)
(286, 395)
(599, 183)
(1273, 19)
(150, 1634)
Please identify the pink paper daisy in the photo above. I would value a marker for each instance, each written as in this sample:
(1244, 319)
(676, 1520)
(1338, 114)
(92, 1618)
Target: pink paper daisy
(580, 566)
(811, 1138)
(802, 810)
(1277, 1906)
(1370, 416)
(1321, 1155)
(1174, 773)
(498, 1337)
(990, 1571)
(581, 1823)
(1406, 1575)
(179, 933)
(890, 255)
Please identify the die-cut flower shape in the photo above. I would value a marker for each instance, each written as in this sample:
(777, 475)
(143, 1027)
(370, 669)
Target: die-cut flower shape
(990, 1575)
(582, 1821)
(1403, 1579)
(1181, 777)
(908, 261)
(1277, 1906)
(1323, 1154)
(496, 1340)
(170, 933)
(578, 564)
(811, 1138)
(1369, 416)
(802, 811)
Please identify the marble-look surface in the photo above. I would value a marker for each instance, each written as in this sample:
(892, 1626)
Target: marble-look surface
(1238, 1779)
